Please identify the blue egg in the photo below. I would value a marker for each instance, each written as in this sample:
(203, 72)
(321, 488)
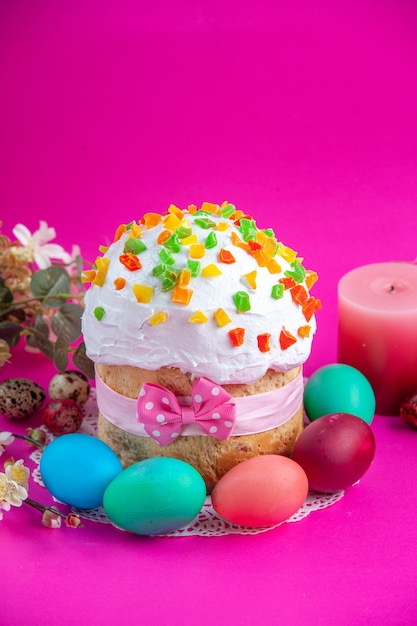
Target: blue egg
(77, 468)
(155, 496)
(339, 388)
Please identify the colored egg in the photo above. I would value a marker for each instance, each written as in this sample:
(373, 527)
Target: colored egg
(62, 416)
(339, 388)
(77, 468)
(155, 496)
(262, 491)
(335, 451)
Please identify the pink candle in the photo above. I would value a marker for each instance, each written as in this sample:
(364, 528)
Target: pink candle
(378, 329)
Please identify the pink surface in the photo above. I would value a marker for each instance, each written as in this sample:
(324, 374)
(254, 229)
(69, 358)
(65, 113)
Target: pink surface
(301, 113)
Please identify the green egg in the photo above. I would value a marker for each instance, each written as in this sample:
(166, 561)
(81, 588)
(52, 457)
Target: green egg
(155, 496)
(339, 388)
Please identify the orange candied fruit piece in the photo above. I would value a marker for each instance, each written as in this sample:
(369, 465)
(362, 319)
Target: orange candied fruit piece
(310, 307)
(286, 339)
(130, 261)
(274, 267)
(310, 279)
(181, 295)
(299, 294)
(192, 208)
(237, 336)
(288, 282)
(210, 207)
(120, 230)
(185, 277)
(260, 257)
(143, 293)
(236, 241)
(119, 283)
(226, 257)
(264, 344)
(151, 219)
(304, 331)
(88, 276)
(163, 236)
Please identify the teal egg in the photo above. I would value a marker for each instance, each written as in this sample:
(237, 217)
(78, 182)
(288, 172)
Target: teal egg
(339, 388)
(77, 468)
(155, 496)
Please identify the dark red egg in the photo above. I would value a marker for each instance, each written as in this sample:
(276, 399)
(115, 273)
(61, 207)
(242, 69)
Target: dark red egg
(62, 416)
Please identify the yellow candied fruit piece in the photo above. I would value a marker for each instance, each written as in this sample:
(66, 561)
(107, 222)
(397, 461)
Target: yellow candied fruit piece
(102, 264)
(286, 253)
(210, 207)
(210, 270)
(88, 276)
(103, 249)
(158, 318)
(274, 267)
(135, 231)
(176, 211)
(222, 226)
(187, 241)
(197, 250)
(172, 222)
(223, 204)
(152, 219)
(185, 278)
(270, 246)
(181, 295)
(221, 318)
(143, 293)
(198, 318)
(250, 279)
(304, 331)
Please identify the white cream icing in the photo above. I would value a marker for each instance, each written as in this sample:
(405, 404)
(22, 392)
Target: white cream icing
(125, 336)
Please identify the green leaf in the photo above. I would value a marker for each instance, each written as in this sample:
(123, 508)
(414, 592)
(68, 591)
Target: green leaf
(10, 332)
(6, 295)
(46, 284)
(37, 339)
(68, 318)
(61, 351)
(82, 361)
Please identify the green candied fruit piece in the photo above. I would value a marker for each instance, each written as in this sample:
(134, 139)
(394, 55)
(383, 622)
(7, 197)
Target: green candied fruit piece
(227, 211)
(170, 280)
(242, 301)
(172, 243)
(211, 241)
(134, 245)
(129, 226)
(297, 272)
(99, 313)
(194, 267)
(166, 257)
(183, 232)
(248, 228)
(158, 270)
(204, 222)
(277, 291)
(269, 232)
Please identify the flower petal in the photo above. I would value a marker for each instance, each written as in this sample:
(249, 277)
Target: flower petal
(23, 234)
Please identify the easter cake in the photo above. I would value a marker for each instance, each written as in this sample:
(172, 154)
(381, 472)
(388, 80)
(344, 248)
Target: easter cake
(198, 322)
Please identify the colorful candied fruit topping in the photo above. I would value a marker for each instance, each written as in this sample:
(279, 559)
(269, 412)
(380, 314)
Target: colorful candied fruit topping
(211, 241)
(194, 267)
(198, 318)
(210, 271)
(304, 331)
(182, 295)
(130, 261)
(99, 313)
(286, 339)
(264, 344)
(143, 293)
(277, 291)
(250, 279)
(134, 245)
(158, 318)
(226, 257)
(119, 283)
(221, 318)
(197, 250)
(242, 301)
(237, 336)
(102, 265)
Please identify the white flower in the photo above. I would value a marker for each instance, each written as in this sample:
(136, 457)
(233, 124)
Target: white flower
(11, 492)
(5, 439)
(18, 473)
(37, 243)
(4, 506)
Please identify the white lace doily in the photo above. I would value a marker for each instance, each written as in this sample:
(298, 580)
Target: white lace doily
(207, 523)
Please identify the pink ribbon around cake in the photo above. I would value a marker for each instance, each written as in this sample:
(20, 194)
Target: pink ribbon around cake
(210, 411)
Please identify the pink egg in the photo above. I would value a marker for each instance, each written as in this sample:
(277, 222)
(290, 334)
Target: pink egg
(262, 491)
(335, 451)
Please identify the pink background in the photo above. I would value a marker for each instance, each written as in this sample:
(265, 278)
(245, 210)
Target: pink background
(301, 113)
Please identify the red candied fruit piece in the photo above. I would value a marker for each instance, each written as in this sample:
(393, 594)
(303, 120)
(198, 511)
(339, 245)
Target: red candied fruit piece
(130, 261)
(286, 339)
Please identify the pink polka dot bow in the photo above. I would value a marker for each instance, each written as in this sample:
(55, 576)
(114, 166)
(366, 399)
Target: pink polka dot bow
(164, 417)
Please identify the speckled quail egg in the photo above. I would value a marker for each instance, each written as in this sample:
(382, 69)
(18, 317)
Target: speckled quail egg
(70, 385)
(20, 397)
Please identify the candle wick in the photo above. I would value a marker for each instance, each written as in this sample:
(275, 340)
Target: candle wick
(391, 289)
